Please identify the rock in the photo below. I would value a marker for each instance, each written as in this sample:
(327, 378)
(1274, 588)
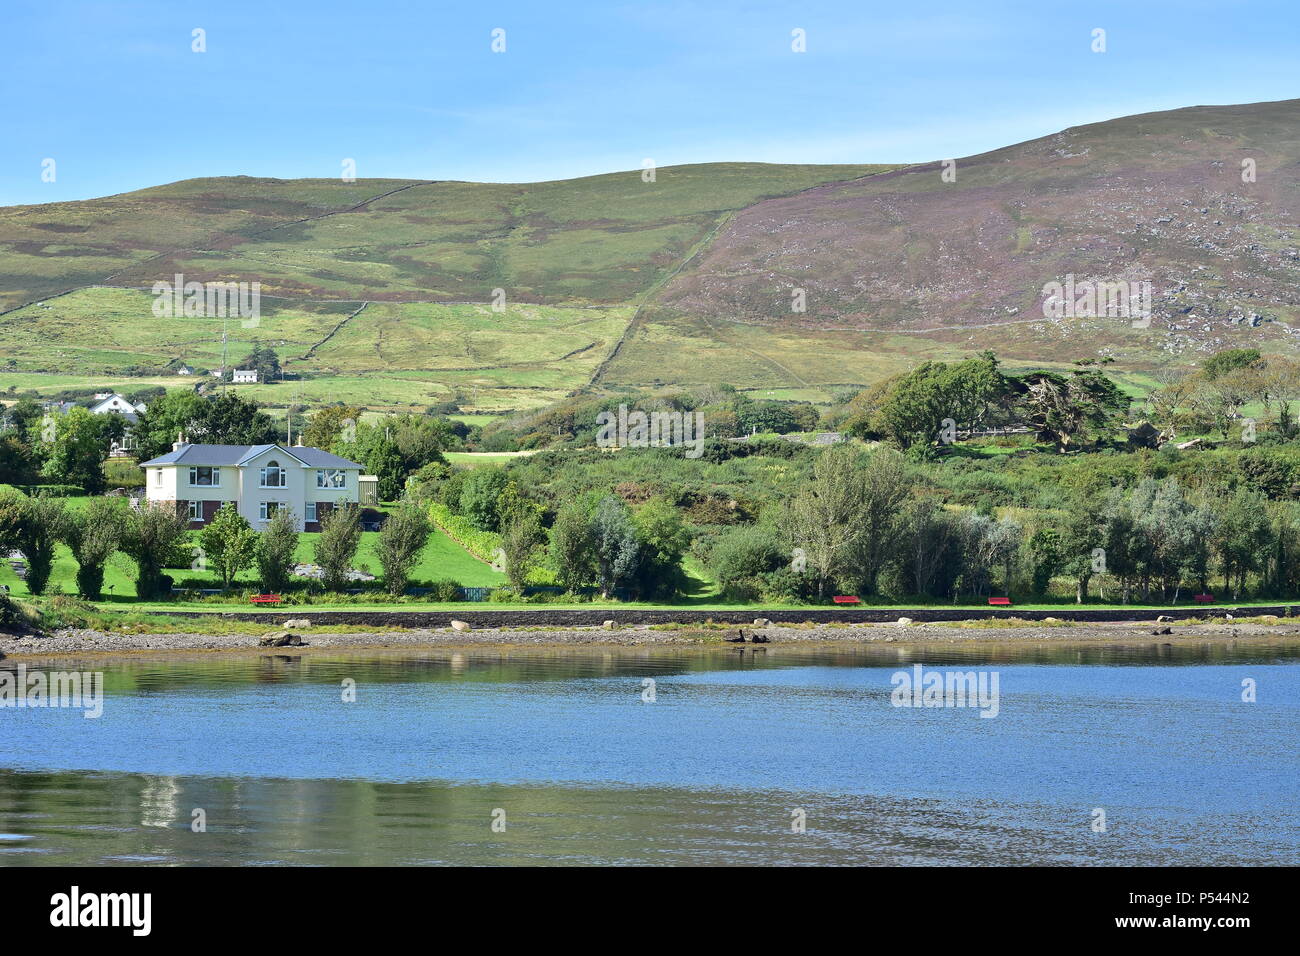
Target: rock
(762, 622)
(608, 625)
(459, 626)
(1164, 619)
(760, 639)
(298, 622)
(1162, 630)
(904, 621)
(890, 639)
(279, 639)
(1227, 617)
(1051, 620)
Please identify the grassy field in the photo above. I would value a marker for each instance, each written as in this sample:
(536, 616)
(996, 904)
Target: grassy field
(387, 356)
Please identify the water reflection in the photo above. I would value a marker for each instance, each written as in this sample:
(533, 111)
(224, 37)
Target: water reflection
(587, 773)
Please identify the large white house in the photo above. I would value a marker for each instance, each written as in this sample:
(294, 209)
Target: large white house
(259, 479)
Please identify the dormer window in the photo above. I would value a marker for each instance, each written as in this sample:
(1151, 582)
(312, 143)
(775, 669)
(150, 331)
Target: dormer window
(273, 476)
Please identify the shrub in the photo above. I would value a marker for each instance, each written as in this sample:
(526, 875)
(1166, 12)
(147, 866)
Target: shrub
(401, 540)
(274, 552)
(444, 591)
(227, 544)
(153, 538)
(340, 534)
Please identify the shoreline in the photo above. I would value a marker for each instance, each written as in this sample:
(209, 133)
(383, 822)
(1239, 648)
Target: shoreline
(81, 642)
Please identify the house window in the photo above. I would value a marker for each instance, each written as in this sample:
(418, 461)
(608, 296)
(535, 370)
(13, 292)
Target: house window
(331, 478)
(207, 477)
(311, 511)
(157, 477)
(273, 476)
(267, 509)
(196, 511)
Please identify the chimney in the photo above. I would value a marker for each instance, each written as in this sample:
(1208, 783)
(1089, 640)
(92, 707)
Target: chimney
(179, 443)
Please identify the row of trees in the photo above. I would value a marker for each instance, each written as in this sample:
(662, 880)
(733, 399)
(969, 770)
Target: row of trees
(156, 539)
(1212, 397)
(869, 527)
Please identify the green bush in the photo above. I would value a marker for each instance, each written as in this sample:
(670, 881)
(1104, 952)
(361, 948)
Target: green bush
(444, 591)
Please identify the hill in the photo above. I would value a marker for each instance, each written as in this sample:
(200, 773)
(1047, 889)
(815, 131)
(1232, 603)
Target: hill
(908, 265)
(378, 291)
(423, 258)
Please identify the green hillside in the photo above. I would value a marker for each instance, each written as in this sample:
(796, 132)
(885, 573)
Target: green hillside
(375, 292)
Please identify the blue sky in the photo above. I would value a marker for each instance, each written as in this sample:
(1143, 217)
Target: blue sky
(113, 93)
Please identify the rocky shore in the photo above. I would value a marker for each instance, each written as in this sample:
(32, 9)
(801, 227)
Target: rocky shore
(303, 636)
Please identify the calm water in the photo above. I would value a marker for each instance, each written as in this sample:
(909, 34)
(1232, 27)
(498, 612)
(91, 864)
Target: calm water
(563, 747)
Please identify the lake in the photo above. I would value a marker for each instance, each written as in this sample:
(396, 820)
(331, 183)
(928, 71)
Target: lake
(1098, 754)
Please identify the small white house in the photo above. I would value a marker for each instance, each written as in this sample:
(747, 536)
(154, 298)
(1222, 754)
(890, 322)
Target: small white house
(112, 403)
(244, 376)
(259, 479)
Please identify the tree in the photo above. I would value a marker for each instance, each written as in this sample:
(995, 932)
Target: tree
(1080, 536)
(420, 441)
(1243, 542)
(31, 526)
(825, 518)
(1222, 397)
(1229, 360)
(224, 420)
(1045, 559)
(153, 538)
(521, 538)
(93, 534)
(572, 548)
(480, 497)
(743, 557)
(964, 392)
(327, 425)
(265, 361)
(18, 465)
(927, 539)
(401, 540)
(616, 546)
(371, 446)
(885, 487)
(340, 535)
(276, 545)
(228, 544)
(664, 539)
(166, 417)
(1070, 410)
(78, 450)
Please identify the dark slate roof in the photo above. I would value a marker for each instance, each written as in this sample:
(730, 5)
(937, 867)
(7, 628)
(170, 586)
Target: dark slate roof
(210, 455)
(315, 458)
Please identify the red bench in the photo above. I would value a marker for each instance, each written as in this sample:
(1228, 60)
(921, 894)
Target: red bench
(1006, 602)
(265, 599)
(846, 599)
(1205, 599)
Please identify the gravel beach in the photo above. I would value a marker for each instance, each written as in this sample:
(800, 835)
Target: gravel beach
(77, 641)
